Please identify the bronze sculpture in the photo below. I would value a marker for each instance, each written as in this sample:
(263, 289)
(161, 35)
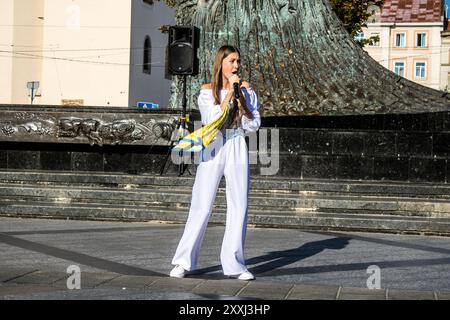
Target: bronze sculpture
(301, 60)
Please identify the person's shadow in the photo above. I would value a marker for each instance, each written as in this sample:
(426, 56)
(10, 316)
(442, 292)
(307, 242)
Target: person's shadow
(278, 259)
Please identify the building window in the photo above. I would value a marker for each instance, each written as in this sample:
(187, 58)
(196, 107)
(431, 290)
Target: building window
(150, 2)
(400, 40)
(147, 66)
(399, 68)
(421, 40)
(359, 36)
(374, 39)
(421, 70)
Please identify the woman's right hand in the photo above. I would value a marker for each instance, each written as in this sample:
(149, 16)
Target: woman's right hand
(233, 79)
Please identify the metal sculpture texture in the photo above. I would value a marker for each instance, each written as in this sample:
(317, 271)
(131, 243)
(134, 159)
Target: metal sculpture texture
(300, 60)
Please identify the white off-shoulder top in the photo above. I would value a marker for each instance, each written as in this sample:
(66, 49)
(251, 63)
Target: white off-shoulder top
(210, 111)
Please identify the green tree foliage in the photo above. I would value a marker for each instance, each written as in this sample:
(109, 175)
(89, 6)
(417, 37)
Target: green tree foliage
(355, 14)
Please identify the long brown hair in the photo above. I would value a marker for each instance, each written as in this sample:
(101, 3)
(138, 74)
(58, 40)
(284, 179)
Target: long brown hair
(216, 79)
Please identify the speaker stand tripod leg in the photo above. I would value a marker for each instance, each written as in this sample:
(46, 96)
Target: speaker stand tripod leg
(161, 172)
(182, 167)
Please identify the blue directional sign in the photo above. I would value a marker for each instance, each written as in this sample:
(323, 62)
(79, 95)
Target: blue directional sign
(147, 105)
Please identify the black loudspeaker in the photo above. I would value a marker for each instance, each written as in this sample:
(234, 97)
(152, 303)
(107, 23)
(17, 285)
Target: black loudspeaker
(182, 50)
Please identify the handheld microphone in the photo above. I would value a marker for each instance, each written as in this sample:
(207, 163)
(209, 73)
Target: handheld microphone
(237, 92)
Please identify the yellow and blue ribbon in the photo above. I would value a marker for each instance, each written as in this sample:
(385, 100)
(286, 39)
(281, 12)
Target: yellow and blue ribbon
(202, 137)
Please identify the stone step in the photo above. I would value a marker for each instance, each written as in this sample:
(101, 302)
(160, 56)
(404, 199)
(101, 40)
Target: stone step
(218, 209)
(273, 184)
(222, 208)
(273, 202)
(429, 207)
(307, 221)
(187, 190)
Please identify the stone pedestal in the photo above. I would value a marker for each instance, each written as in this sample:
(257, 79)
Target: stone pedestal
(409, 147)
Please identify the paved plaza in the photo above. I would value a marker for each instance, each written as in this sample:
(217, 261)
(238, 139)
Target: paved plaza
(131, 261)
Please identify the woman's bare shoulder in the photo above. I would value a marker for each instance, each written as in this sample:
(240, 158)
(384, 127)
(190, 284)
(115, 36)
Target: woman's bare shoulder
(207, 86)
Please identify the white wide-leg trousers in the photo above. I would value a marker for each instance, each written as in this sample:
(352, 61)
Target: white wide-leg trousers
(232, 161)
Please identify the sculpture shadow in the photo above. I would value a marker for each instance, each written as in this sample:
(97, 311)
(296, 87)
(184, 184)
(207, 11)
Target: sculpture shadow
(279, 259)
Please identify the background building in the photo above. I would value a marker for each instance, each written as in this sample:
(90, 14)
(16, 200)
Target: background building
(409, 43)
(83, 52)
(445, 61)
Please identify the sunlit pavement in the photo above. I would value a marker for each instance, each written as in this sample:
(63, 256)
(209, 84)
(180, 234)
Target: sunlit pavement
(40, 259)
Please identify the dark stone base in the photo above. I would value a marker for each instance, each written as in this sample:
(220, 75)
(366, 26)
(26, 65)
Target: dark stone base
(71, 157)
(346, 167)
(414, 148)
(427, 121)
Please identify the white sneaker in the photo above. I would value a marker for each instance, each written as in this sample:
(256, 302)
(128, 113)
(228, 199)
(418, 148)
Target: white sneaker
(246, 276)
(178, 272)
